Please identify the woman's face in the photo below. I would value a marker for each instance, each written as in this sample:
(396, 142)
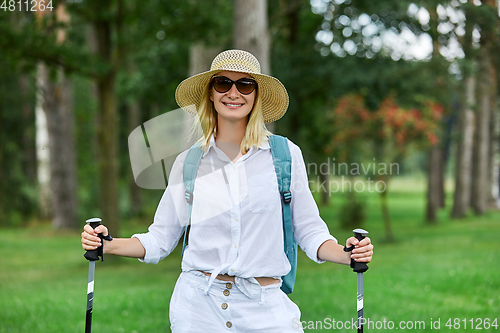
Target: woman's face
(233, 105)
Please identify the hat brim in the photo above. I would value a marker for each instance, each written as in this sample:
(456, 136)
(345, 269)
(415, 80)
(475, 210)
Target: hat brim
(274, 97)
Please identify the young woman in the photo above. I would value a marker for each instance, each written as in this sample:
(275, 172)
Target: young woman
(232, 265)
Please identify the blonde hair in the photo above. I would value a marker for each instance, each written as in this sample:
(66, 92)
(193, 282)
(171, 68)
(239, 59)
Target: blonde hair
(256, 132)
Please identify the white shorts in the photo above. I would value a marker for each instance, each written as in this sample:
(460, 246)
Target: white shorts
(225, 308)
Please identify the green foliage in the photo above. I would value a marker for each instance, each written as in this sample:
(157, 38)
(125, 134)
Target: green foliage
(485, 16)
(28, 41)
(316, 83)
(18, 201)
(342, 20)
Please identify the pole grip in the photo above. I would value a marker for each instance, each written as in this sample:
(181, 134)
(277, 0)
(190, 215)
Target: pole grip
(359, 267)
(93, 255)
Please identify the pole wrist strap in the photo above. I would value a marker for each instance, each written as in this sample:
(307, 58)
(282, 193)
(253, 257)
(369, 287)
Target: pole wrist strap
(348, 249)
(107, 237)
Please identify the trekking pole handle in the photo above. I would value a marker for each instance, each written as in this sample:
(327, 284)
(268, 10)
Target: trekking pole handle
(360, 234)
(93, 255)
(359, 267)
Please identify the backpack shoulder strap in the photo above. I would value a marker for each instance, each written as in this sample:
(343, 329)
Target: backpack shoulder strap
(283, 166)
(189, 171)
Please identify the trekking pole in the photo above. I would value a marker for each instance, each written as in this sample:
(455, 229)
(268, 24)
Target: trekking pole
(359, 268)
(91, 256)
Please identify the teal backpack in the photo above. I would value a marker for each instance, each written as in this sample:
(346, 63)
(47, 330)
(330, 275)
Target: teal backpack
(283, 168)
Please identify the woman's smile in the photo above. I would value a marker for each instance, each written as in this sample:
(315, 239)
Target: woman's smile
(233, 105)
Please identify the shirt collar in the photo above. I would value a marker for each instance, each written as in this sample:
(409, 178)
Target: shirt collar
(265, 145)
(211, 144)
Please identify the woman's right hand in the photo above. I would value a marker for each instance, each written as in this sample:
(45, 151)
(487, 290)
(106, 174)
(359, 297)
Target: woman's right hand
(90, 238)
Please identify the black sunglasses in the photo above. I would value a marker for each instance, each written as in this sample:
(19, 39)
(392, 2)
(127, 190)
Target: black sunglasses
(244, 85)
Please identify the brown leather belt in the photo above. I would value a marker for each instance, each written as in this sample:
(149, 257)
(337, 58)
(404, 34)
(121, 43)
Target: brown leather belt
(263, 281)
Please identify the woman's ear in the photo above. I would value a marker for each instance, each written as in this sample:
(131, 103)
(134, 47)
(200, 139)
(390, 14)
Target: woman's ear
(211, 95)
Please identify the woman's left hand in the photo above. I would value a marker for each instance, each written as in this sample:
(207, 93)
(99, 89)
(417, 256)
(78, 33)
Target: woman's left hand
(363, 251)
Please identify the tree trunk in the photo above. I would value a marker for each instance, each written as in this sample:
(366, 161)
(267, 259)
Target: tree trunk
(441, 198)
(250, 30)
(495, 119)
(493, 193)
(42, 147)
(389, 236)
(57, 104)
(494, 197)
(435, 168)
(134, 120)
(200, 57)
(463, 172)
(486, 122)
(480, 186)
(251, 33)
(107, 131)
(55, 97)
(325, 194)
(292, 10)
(433, 191)
(2, 195)
(28, 144)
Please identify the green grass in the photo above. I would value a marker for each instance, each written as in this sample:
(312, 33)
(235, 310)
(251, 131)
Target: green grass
(450, 270)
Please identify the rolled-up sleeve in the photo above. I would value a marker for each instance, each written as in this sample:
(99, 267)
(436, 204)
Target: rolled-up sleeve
(167, 227)
(309, 229)
(151, 246)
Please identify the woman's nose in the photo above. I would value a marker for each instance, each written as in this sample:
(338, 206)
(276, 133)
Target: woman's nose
(233, 92)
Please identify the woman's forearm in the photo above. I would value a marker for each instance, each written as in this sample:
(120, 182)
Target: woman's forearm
(125, 247)
(333, 252)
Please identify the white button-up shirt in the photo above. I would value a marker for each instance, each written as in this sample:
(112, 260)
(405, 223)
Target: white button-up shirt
(236, 221)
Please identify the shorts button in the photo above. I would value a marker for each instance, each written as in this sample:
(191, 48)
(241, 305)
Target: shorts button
(226, 292)
(224, 306)
(228, 324)
(229, 285)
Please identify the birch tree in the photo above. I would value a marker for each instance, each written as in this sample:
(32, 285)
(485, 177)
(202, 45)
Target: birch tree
(465, 126)
(486, 99)
(55, 98)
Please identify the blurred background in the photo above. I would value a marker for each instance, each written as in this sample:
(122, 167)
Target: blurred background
(396, 93)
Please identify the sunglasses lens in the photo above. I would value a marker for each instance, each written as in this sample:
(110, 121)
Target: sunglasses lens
(246, 86)
(222, 84)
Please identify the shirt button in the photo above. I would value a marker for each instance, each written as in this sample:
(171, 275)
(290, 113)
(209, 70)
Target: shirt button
(224, 306)
(229, 285)
(228, 324)
(226, 292)
(236, 219)
(232, 269)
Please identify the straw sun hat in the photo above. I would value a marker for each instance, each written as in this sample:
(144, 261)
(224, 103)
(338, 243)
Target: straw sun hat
(273, 94)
